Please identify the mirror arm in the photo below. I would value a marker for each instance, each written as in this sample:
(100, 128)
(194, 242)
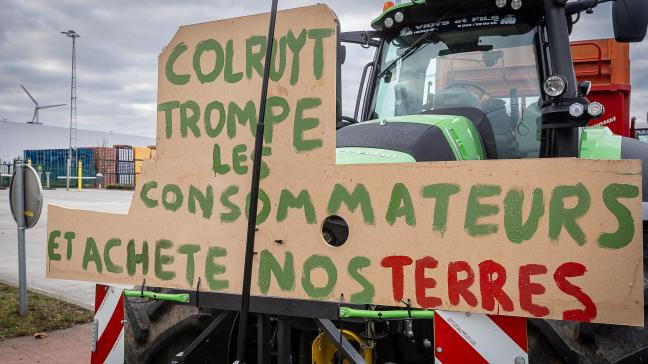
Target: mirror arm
(364, 38)
(582, 5)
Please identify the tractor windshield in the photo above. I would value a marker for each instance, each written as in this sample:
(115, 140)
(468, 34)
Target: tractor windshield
(458, 66)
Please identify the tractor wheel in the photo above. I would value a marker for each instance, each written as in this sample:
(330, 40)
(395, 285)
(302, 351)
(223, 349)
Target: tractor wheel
(572, 342)
(156, 331)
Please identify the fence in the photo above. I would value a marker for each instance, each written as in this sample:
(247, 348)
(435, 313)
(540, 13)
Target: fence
(119, 165)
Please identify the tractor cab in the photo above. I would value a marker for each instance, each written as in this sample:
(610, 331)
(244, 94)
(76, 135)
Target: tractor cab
(474, 79)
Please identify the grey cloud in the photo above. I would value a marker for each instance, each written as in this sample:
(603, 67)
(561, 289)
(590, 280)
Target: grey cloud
(120, 41)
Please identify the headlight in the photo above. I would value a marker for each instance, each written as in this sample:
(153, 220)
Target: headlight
(500, 3)
(399, 17)
(576, 110)
(555, 86)
(516, 4)
(389, 22)
(595, 109)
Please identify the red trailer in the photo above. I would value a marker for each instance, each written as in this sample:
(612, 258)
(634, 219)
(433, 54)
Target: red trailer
(606, 63)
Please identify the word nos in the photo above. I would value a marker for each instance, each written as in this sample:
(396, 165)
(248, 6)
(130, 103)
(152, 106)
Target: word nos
(519, 227)
(463, 283)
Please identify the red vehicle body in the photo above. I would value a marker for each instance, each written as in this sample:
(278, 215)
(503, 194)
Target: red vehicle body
(606, 63)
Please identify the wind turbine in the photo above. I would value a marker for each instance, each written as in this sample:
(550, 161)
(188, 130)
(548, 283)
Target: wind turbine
(37, 107)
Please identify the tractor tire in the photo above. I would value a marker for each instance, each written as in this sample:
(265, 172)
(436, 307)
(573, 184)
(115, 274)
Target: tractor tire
(156, 331)
(572, 342)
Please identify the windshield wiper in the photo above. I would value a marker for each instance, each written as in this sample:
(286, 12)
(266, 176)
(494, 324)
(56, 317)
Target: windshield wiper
(413, 48)
(408, 52)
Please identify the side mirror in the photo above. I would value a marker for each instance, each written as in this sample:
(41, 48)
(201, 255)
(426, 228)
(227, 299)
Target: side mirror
(342, 53)
(630, 20)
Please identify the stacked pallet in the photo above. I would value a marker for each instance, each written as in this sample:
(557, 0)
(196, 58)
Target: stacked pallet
(141, 154)
(105, 163)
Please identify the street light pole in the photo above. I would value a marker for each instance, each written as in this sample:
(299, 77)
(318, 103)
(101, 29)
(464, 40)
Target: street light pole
(72, 34)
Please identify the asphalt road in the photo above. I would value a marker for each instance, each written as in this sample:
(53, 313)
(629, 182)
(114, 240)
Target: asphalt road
(80, 293)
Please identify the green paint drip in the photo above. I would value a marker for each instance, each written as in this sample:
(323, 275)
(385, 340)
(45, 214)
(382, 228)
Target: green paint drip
(368, 291)
(167, 108)
(206, 200)
(400, 205)
(173, 77)
(318, 50)
(174, 204)
(91, 254)
(359, 197)
(303, 124)
(441, 192)
(269, 266)
(213, 269)
(272, 118)
(231, 76)
(302, 201)
(254, 58)
(214, 131)
(264, 202)
(189, 250)
(217, 167)
(52, 245)
(244, 116)
(133, 259)
(278, 66)
(161, 260)
(625, 232)
(476, 210)
(325, 263)
(209, 45)
(148, 202)
(296, 44)
(234, 211)
(516, 230)
(189, 117)
(560, 216)
(69, 236)
(110, 265)
(239, 158)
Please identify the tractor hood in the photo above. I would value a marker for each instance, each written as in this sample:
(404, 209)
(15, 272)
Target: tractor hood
(410, 138)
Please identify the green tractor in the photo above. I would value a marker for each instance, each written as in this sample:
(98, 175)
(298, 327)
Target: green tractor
(473, 80)
(450, 80)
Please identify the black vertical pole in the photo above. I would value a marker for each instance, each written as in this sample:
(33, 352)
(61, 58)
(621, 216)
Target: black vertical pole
(565, 140)
(254, 194)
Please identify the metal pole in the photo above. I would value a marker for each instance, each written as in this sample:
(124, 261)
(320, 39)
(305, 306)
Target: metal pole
(79, 175)
(20, 207)
(561, 63)
(254, 194)
(72, 34)
(69, 161)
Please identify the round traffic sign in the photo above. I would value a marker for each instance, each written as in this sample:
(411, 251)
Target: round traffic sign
(32, 192)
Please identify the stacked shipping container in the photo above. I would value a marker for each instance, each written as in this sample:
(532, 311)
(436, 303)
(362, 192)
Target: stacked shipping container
(54, 161)
(117, 164)
(125, 165)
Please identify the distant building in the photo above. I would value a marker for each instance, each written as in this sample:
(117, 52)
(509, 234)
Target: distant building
(17, 137)
(641, 131)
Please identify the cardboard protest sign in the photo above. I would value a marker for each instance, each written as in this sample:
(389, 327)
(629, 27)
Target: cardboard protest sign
(551, 238)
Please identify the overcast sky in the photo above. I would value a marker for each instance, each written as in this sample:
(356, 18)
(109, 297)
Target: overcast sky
(120, 41)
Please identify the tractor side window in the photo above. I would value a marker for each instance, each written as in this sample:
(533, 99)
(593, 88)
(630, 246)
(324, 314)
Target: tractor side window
(386, 97)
